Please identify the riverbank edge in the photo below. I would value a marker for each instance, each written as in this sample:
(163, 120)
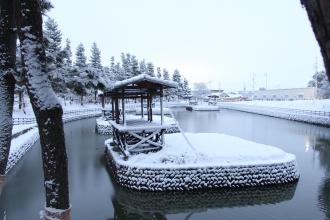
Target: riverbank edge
(185, 179)
(268, 111)
(33, 136)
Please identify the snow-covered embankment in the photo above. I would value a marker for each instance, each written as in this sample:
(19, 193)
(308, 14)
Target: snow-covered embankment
(302, 114)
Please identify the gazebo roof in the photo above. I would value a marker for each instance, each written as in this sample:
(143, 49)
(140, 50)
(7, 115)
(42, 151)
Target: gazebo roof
(140, 84)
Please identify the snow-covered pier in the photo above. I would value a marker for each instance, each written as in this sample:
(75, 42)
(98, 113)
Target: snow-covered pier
(216, 160)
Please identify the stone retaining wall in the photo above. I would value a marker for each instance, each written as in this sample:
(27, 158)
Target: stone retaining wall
(155, 179)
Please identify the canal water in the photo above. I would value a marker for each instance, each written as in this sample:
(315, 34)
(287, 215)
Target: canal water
(93, 195)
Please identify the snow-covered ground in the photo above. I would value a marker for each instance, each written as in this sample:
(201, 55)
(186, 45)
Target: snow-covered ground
(309, 111)
(212, 160)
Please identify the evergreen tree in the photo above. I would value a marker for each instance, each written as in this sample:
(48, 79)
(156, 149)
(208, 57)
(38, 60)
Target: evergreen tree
(159, 73)
(166, 75)
(320, 80)
(143, 67)
(95, 57)
(126, 66)
(53, 40)
(150, 69)
(112, 62)
(177, 78)
(186, 93)
(80, 56)
(67, 53)
(135, 66)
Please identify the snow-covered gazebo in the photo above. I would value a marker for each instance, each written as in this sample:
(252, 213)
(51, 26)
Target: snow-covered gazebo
(134, 135)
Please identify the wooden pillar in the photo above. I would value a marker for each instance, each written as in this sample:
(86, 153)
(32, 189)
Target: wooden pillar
(150, 107)
(142, 113)
(112, 108)
(161, 107)
(161, 114)
(102, 100)
(117, 109)
(123, 107)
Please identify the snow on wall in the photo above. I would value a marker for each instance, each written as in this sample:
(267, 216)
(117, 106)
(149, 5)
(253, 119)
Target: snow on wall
(273, 112)
(21, 144)
(189, 178)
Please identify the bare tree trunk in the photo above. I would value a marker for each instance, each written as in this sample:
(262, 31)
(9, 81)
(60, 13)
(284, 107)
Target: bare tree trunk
(319, 15)
(7, 81)
(46, 106)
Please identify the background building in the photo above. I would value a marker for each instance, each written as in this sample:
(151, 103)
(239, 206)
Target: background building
(285, 94)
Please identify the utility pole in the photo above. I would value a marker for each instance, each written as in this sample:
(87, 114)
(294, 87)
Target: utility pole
(253, 81)
(253, 84)
(266, 76)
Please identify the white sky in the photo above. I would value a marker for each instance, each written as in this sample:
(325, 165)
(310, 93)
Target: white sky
(222, 42)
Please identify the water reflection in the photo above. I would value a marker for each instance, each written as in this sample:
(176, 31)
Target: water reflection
(322, 146)
(131, 204)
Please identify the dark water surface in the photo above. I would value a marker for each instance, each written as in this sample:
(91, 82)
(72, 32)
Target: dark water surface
(94, 196)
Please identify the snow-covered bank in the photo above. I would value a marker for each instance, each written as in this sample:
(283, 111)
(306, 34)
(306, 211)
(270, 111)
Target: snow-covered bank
(24, 136)
(216, 160)
(312, 105)
(269, 109)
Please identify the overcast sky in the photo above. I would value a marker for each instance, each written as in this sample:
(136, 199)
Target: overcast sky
(221, 42)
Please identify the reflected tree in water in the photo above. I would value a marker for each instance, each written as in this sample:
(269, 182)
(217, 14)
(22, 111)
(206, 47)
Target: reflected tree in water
(322, 146)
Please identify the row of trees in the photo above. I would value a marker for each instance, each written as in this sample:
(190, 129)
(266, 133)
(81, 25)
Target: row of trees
(85, 77)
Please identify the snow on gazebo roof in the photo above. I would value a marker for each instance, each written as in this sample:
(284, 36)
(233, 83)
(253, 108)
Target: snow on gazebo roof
(144, 79)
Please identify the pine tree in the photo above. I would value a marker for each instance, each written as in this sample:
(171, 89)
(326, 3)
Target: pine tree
(159, 73)
(186, 89)
(126, 66)
(177, 78)
(135, 66)
(67, 53)
(150, 69)
(166, 75)
(53, 40)
(112, 62)
(80, 56)
(143, 67)
(95, 57)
